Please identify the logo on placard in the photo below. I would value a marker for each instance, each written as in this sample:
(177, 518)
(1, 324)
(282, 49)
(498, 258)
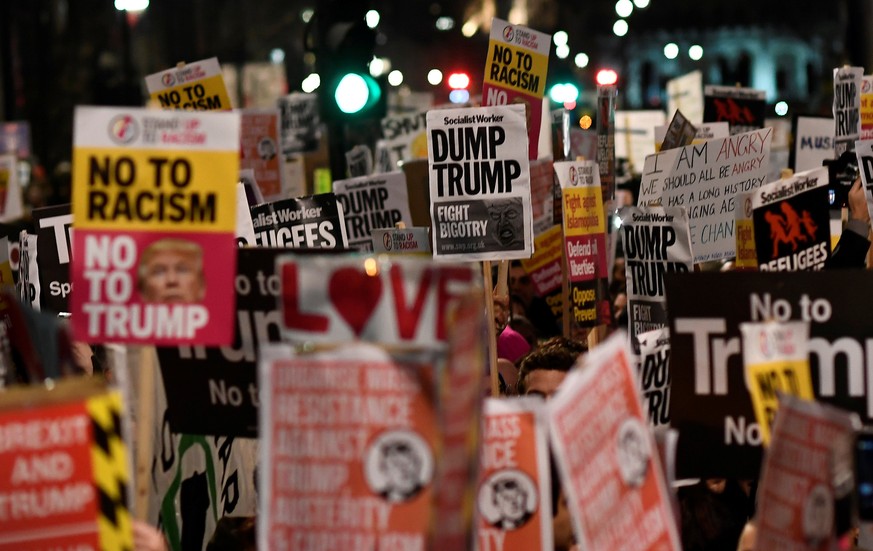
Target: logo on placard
(573, 176)
(507, 499)
(633, 452)
(387, 241)
(508, 33)
(168, 79)
(790, 228)
(399, 465)
(747, 207)
(866, 85)
(123, 129)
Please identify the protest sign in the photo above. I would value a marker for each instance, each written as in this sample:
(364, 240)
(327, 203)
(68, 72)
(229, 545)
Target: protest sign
(847, 108)
(260, 150)
(515, 72)
(635, 134)
(300, 123)
(15, 138)
(606, 140)
(584, 242)
(314, 222)
(28, 273)
(792, 223)
(402, 241)
(655, 242)
(197, 86)
(796, 498)
(743, 108)
(685, 93)
(245, 230)
(705, 179)
(679, 133)
(813, 142)
(866, 107)
(705, 131)
(65, 469)
(655, 375)
(371, 202)
(747, 256)
(545, 269)
(154, 198)
(54, 229)
(864, 153)
(213, 390)
(359, 161)
(709, 403)
(404, 137)
(195, 480)
(353, 430)
(542, 182)
(606, 455)
(479, 183)
(776, 360)
(11, 206)
(514, 494)
(402, 301)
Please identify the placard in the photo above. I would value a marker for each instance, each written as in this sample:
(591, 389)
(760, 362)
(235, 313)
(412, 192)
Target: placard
(479, 183)
(866, 107)
(776, 360)
(154, 199)
(864, 153)
(314, 222)
(747, 256)
(655, 241)
(710, 406)
(260, 150)
(705, 131)
(792, 222)
(372, 202)
(197, 86)
(743, 108)
(635, 134)
(54, 227)
(402, 241)
(404, 137)
(300, 123)
(847, 108)
(584, 242)
(705, 179)
(606, 455)
(11, 205)
(515, 72)
(514, 493)
(401, 301)
(347, 430)
(545, 268)
(685, 93)
(813, 143)
(655, 375)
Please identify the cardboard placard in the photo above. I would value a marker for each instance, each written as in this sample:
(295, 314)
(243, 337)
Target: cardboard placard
(792, 222)
(656, 242)
(347, 430)
(54, 231)
(403, 138)
(607, 458)
(11, 204)
(685, 93)
(314, 222)
(515, 72)
(300, 123)
(655, 375)
(705, 179)
(635, 134)
(710, 405)
(197, 86)
(370, 203)
(402, 241)
(154, 199)
(479, 183)
(813, 143)
(743, 108)
(847, 108)
(705, 131)
(514, 494)
(261, 150)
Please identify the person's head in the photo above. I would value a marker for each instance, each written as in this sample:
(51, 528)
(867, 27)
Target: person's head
(510, 498)
(171, 270)
(520, 283)
(400, 464)
(542, 371)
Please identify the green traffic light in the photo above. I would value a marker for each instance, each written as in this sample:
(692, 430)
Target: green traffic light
(356, 92)
(564, 92)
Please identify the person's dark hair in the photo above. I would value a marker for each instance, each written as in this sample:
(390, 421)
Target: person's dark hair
(233, 534)
(526, 329)
(557, 354)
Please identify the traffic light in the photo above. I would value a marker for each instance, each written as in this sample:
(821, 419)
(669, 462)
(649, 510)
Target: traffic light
(343, 45)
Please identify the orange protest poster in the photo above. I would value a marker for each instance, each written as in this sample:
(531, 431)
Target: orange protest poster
(349, 438)
(64, 469)
(514, 492)
(606, 455)
(260, 150)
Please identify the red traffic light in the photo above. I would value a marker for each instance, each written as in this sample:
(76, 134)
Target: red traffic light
(459, 81)
(606, 77)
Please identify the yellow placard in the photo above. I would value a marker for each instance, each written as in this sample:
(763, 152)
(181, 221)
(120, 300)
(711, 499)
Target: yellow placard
(548, 247)
(746, 255)
(207, 94)
(140, 189)
(583, 211)
(517, 69)
(767, 380)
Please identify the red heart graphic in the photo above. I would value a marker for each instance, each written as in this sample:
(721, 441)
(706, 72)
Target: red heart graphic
(355, 296)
